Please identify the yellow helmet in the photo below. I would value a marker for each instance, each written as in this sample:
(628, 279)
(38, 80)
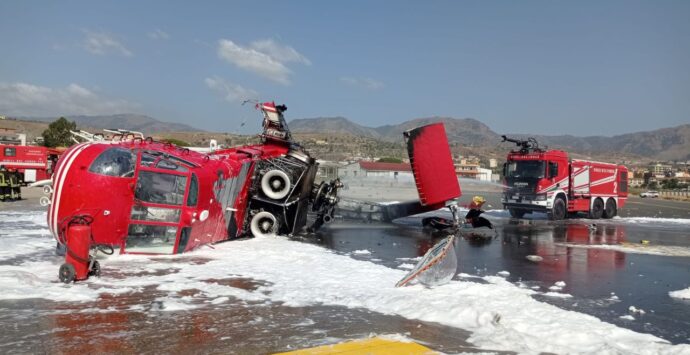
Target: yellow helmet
(478, 200)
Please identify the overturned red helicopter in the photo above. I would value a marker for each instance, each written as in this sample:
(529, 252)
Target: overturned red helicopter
(140, 196)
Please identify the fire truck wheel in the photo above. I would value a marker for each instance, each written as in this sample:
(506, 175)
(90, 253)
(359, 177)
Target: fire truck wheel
(611, 209)
(275, 184)
(516, 213)
(597, 209)
(95, 269)
(559, 210)
(264, 224)
(66, 273)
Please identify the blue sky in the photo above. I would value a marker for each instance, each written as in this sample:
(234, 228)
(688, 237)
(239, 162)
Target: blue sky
(541, 67)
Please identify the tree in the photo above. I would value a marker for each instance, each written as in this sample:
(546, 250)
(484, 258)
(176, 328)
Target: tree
(177, 142)
(670, 184)
(390, 160)
(58, 133)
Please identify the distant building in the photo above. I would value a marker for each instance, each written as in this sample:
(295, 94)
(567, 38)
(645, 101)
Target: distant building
(11, 137)
(484, 174)
(493, 163)
(631, 175)
(659, 169)
(635, 182)
(376, 169)
(467, 170)
(328, 170)
(471, 160)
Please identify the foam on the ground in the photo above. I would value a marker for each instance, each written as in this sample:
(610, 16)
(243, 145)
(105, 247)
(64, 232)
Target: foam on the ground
(681, 294)
(650, 249)
(651, 220)
(499, 314)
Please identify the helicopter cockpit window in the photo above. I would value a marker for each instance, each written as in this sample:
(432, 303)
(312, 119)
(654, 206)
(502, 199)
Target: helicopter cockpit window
(193, 192)
(142, 238)
(114, 162)
(160, 188)
(162, 161)
(169, 165)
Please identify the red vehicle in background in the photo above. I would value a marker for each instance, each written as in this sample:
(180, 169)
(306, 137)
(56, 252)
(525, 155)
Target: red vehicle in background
(33, 163)
(537, 180)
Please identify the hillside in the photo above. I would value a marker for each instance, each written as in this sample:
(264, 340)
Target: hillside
(468, 131)
(662, 144)
(346, 138)
(335, 125)
(128, 121)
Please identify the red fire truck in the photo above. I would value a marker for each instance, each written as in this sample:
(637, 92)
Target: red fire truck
(549, 181)
(34, 163)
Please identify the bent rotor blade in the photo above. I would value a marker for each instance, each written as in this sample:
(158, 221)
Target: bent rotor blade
(432, 165)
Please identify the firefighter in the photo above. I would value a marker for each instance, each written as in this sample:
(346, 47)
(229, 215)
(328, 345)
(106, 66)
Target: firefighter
(4, 185)
(472, 217)
(14, 187)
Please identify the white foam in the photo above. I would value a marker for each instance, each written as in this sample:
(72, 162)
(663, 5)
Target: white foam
(172, 304)
(634, 309)
(499, 314)
(651, 220)
(681, 294)
(557, 295)
(650, 249)
(361, 252)
(39, 280)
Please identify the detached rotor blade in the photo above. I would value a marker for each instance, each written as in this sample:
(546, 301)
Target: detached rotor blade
(432, 165)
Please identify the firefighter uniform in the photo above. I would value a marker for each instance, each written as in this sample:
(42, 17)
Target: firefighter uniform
(4, 184)
(15, 186)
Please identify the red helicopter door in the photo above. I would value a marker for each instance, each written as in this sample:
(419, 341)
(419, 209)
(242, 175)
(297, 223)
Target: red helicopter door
(156, 223)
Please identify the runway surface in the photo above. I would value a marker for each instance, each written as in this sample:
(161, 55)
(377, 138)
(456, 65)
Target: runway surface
(257, 296)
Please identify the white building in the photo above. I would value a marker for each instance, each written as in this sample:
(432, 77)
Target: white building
(484, 174)
(377, 169)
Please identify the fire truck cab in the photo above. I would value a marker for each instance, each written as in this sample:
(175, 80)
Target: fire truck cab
(537, 180)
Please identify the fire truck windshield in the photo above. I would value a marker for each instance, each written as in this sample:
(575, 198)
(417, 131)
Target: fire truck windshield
(526, 169)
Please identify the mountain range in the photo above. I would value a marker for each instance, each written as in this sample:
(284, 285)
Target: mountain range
(661, 144)
(133, 122)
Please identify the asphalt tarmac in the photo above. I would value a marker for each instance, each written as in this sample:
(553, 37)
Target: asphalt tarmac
(654, 258)
(603, 282)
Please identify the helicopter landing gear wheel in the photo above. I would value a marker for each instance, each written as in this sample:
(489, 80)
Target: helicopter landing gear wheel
(319, 197)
